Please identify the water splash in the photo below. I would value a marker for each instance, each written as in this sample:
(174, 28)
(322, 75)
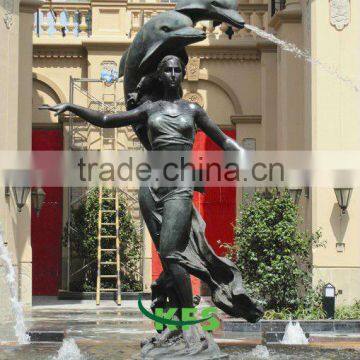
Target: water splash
(17, 309)
(294, 334)
(69, 351)
(305, 54)
(260, 352)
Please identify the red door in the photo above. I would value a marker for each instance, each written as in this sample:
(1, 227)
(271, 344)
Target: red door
(218, 204)
(46, 230)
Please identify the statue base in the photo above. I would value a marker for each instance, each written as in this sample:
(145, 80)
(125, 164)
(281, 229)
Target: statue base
(182, 344)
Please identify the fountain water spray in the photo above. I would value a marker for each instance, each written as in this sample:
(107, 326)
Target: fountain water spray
(260, 352)
(20, 329)
(305, 54)
(294, 335)
(69, 351)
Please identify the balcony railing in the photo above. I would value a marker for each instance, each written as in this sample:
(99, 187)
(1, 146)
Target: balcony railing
(253, 13)
(62, 19)
(73, 19)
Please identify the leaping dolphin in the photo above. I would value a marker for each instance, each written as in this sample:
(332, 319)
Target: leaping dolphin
(165, 34)
(216, 10)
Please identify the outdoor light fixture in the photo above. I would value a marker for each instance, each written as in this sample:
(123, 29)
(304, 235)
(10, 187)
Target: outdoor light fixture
(343, 196)
(329, 295)
(20, 195)
(37, 199)
(295, 194)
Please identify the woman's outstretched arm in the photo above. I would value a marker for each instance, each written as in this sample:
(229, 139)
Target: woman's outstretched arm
(100, 119)
(213, 131)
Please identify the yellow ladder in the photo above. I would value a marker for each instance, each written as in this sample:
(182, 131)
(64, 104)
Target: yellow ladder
(108, 204)
(112, 241)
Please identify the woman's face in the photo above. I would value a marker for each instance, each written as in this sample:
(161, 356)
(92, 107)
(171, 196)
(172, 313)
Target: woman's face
(171, 73)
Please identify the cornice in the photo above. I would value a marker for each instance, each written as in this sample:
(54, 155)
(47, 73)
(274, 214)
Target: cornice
(103, 3)
(245, 119)
(253, 7)
(267, 48)
(150, 6)
(220, 49)
(227, 55)
(47, 52)
(30, 6)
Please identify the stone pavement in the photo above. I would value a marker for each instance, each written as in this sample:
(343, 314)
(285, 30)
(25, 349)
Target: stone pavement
(114, 332)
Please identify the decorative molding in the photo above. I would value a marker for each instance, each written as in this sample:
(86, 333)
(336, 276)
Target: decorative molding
(253, 7)
(9, 7)
(44, 79)
(245, 119)
(193, 69)
(60, 53)
(267, 48)
(233, 54)
(225, 87)
(30, 6)
(339, 13)
(194, 97)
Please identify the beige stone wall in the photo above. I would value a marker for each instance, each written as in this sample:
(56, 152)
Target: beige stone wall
(336, 126)
(15, 114)
(8, 136)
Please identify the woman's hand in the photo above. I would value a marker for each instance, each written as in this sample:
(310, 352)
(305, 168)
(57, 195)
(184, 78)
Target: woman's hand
(59, 108)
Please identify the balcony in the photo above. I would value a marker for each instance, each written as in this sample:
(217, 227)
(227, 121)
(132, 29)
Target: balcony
(70, 20)
(63, 19)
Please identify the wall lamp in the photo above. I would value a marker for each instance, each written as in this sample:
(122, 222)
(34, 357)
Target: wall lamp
(343, 196)
(21, 194)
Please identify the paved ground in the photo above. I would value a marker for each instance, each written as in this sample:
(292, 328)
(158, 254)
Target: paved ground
(112, 332)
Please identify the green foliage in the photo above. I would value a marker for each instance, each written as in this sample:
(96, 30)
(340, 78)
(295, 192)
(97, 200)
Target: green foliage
(310, 309)
(274, 255)
(348, 312)
(84, 242)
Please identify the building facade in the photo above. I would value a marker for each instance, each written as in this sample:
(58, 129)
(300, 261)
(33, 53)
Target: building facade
(16, 125)
(261, 95)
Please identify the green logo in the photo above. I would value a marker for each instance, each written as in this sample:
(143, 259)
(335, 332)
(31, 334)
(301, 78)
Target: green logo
(188, 317)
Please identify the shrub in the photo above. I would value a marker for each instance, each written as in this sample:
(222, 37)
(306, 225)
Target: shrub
(84, 242)
(274, 255)
(348, 312)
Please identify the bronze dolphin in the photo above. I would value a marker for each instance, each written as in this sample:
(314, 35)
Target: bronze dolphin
(165, 34)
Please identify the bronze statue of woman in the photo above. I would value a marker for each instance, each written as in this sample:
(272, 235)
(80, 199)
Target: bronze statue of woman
(176, 227)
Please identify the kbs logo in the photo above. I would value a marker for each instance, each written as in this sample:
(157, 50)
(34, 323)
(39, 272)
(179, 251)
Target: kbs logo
(188, 317)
